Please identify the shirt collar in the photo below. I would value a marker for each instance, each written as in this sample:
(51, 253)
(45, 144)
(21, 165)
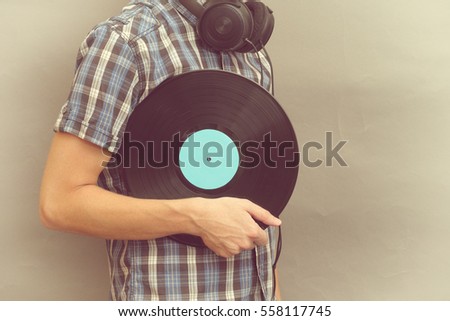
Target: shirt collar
(176, 4)
(184, 11)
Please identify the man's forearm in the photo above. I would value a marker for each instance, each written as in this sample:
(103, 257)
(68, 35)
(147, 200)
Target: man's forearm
(94, 211)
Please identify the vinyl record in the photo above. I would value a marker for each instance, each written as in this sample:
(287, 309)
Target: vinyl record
(210, 134)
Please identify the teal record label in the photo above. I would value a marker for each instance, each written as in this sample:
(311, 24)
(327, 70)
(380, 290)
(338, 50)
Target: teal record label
(209, 159)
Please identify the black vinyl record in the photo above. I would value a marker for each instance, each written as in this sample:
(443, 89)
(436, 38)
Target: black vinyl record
(210, 134)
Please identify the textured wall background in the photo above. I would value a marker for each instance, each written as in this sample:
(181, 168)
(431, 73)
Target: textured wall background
(374, 73)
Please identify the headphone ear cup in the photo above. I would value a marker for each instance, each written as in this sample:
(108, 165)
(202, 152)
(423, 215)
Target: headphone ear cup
(225, 24)
(263, 25)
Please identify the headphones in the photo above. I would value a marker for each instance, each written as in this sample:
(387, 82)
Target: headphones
(233, 25)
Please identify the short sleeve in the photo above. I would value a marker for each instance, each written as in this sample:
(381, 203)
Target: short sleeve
(104, 90)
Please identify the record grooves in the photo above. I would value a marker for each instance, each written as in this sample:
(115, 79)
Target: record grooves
(188, 120)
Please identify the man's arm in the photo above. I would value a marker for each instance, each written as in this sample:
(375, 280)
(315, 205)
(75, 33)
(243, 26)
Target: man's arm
(71, 201)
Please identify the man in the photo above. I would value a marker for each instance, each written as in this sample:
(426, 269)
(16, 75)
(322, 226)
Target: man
(119, 63)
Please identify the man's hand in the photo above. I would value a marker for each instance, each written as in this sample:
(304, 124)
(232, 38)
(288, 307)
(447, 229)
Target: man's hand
(227, 225)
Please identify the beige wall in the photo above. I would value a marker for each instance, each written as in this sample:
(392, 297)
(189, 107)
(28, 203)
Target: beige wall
(375, 73)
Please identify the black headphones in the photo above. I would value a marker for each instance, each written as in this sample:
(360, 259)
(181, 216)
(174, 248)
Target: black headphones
(233, 25)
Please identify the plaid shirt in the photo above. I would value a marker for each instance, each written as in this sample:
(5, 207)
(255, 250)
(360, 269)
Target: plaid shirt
(119, 63)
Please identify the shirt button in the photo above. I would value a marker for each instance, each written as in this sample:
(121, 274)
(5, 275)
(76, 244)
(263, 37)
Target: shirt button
(64, 109)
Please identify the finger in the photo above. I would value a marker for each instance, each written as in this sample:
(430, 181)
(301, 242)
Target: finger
(261, 239)
(221, 252)
(262, 215)
(249, 245)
